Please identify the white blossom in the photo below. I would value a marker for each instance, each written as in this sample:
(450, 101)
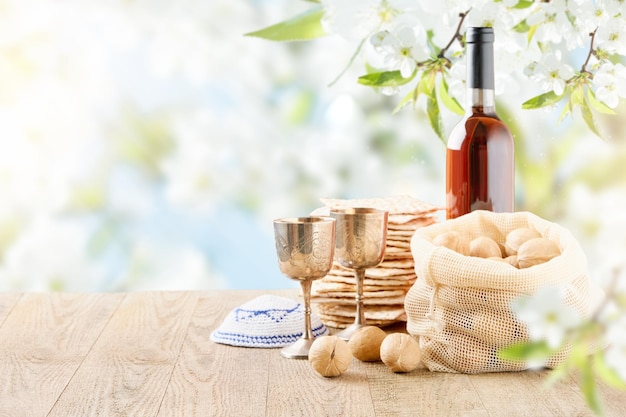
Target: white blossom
(611, 36)
(551, 73)
(610, 83)
(358, 19)
(546, 316)
(402, 49)
(612, 8)
(552, 22)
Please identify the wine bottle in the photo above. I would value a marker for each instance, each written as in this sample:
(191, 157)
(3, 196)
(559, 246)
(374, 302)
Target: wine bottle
(480, 151)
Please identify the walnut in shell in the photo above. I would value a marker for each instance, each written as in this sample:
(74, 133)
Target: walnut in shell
(365, 343)
(516, 237)
(485, 247)
(330, 356)
(537, 251)
(454, 241)
(400, 352)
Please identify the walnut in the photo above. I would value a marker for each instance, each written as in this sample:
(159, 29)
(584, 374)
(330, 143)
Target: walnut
(330, 356)
(485, 247)
(400, 352)
(517, 237)
(453, 241)
(537, 251)
(512, 259)
(365, 343)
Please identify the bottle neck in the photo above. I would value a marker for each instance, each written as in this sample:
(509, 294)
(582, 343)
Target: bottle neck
(481, 100)
(480, 76)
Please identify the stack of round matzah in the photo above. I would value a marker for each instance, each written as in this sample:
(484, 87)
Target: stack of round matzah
(384, 286)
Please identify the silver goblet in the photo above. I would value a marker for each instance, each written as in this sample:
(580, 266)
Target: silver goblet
(359, 244)
(305, 247)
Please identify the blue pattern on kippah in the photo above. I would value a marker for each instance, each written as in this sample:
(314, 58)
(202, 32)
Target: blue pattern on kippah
(267, 321)
(275, 314)
(264, 341)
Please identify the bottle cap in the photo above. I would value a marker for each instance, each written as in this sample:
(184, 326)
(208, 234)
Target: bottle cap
(479, 35)
(479, 50)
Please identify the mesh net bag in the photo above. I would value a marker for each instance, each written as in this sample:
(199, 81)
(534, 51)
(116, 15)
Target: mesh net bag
(460, 305)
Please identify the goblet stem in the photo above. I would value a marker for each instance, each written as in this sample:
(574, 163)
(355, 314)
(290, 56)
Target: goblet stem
(306, 292)
(300, 348)
(359, 275)
(359, 319)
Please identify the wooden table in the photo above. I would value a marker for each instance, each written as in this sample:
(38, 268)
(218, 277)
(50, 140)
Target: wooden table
(149, 354)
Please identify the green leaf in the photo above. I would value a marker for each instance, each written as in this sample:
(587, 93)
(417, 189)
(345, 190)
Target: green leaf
(578, 96)
(447, 100)
(427, 84)
(434, 116)
(430, 34)
(589, 388)
(558, 373)
(352, 58)
(542, 100)
(305, 26)
(523, 4)
(385, 79)
(589, 119)
(409, 97)
(521, 27)
(597, 104)
(566, 110)
(607, 374)
(526, 350)
(531, 32)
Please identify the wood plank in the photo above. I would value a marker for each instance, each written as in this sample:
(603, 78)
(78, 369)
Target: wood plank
(423, 393)
(149, 354)
(44, 340)
(7, 302)
(213, 379)
(525, 394)
(613, 400)
(128, 369)
(296, 390)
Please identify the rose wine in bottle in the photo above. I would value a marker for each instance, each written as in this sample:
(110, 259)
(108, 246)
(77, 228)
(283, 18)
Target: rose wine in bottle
(480, 156)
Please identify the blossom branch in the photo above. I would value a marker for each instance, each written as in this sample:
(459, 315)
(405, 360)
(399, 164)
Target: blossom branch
(456, 36)
(591, 51)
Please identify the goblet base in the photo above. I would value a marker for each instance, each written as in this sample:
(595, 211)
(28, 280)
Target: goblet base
(347, 333)
(298, 349)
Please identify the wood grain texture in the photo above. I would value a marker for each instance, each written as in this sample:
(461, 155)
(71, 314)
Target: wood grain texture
(45, 338)
(7, 302)
(149, 354)
(129, 366)
(296, 390)
(423, 393)
(216, 380)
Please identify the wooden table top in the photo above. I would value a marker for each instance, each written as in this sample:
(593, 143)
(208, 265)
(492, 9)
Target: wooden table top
(149, 354)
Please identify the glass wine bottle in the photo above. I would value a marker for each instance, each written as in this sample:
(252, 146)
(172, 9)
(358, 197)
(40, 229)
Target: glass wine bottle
(480, 151)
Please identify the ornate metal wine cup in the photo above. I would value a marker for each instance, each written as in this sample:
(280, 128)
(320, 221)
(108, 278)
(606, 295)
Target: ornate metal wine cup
(305, 247)
(360, 244)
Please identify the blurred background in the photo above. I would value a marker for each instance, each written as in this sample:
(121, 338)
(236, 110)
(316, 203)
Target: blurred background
(149, 145)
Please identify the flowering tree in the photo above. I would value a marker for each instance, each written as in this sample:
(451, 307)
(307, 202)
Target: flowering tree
(570, 52)
(407, 49)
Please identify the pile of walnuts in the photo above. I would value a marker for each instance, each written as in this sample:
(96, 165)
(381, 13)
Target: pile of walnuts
(523, 247)
(330, 356)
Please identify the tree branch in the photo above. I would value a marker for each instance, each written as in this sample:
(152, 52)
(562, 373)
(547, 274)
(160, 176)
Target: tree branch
(457, 34)
(591, 51)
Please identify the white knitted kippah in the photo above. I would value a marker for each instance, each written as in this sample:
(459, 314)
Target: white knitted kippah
(268, 321)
